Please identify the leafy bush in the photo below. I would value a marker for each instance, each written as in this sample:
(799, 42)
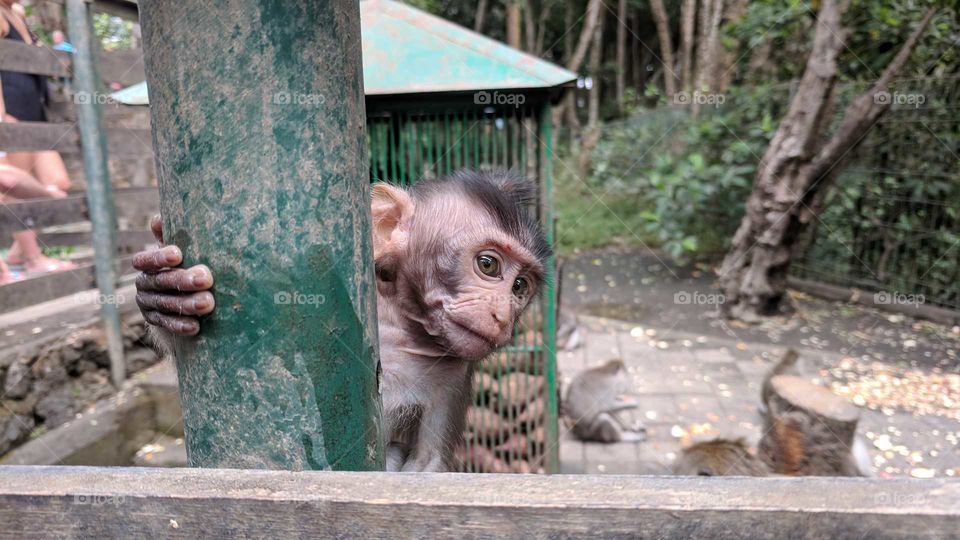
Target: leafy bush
(687, 177)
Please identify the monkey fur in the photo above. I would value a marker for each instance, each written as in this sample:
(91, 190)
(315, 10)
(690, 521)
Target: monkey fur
(720, 457)
(457, 260)
(593, 403)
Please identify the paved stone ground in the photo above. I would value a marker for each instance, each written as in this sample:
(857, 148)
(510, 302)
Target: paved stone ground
(697, 376)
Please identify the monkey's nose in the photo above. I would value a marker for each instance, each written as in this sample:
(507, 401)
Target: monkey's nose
(501, 318)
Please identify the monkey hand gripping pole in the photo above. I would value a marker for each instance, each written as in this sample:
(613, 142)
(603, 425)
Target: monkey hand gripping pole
(258, 126)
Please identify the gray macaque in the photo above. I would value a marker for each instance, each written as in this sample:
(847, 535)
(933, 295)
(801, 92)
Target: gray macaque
(594, 401)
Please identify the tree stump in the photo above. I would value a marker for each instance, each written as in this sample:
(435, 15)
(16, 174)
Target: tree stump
(808, 430)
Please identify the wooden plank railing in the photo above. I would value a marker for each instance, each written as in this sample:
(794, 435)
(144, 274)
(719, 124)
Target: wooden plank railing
(29, 292)
(124, 67)
(150, 503)
(134, 203)
(18, 56)
(122, 143)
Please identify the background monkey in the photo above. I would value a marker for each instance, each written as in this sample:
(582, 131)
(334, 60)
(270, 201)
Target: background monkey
(721, 457)
(595, 399)
(457, 261)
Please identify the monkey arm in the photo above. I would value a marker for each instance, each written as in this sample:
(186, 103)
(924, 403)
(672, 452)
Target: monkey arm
(169, 297)
(441, 426)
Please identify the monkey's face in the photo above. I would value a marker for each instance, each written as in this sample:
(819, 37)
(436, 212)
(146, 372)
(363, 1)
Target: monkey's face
(480, 283)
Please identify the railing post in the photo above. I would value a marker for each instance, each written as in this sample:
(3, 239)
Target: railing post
(545, 124)
(99, 191)
(258, 123)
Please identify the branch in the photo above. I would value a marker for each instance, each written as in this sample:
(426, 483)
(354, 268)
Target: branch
(868, 107)
(586, 34)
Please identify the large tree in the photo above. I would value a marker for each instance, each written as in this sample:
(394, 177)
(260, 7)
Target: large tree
(798, 169)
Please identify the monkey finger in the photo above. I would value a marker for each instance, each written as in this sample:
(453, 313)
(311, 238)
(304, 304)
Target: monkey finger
(199, 303)
(184, 326)
(156, 225)
(197, 278)
(155, 260)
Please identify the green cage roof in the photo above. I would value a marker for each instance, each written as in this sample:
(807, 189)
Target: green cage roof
(409, 51)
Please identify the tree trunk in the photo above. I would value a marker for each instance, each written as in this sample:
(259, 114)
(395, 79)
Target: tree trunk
(480, 15)
(725, 59)
(621, 52)
(591, 135)
(711, 15)
(513, 24)
(590, 22)
(795, 173)
(808, 430)
(666, 46)
(688, 11)
(529, 26)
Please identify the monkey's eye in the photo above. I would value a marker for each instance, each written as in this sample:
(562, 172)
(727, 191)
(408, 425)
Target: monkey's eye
(488, 265)
(520, 287)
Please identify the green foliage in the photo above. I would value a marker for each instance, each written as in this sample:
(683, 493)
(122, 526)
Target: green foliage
(687, 177)
(113, 32)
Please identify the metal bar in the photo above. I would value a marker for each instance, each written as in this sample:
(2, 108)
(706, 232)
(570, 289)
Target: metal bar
(549, 315)
(99, 192)
(284, 373)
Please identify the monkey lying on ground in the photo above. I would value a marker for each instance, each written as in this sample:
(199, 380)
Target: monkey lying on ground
(457, 261)
(720, 457)
(594, 401)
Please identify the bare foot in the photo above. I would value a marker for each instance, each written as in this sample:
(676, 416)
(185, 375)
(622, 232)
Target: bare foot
(44, 264)
(6, 276)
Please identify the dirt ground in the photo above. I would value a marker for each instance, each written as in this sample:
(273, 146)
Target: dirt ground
(698, 376)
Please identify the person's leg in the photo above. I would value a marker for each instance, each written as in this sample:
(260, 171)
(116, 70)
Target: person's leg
(48, 168)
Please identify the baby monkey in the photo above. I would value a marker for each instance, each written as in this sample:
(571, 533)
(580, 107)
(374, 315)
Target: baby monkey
(457, 261)
(594, 401)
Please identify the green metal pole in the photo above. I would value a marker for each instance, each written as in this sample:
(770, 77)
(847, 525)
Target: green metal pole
(549, 315)
(99, 191)
(257, 108)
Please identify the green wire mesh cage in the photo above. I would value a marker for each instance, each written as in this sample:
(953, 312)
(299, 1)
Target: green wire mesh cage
(512, 423)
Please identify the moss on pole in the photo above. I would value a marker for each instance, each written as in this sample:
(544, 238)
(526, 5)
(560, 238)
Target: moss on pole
(258, 121)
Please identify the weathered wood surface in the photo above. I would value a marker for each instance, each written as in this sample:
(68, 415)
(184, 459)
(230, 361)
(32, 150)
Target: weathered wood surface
(128, 242)
(124, 67)
(29, 292)
(131, 203)
(938, 314)
(216, 503)
(122, 143)
(808, 430)
(18, 56)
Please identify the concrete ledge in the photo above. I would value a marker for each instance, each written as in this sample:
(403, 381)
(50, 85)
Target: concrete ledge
(133, 502)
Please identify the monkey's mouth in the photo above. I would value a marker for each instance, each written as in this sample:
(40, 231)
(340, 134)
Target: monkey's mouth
(483, 344)
(486, 339)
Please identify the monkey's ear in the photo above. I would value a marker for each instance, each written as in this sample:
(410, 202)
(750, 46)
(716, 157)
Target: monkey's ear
(392, 209)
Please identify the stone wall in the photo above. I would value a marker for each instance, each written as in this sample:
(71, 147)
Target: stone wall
(50, 384)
